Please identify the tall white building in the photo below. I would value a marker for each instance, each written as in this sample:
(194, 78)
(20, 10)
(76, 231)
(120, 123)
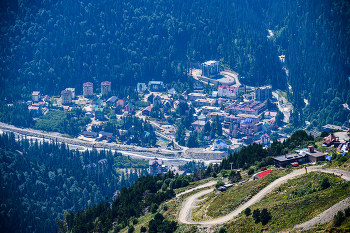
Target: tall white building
(210, 68)
(88, 89)
(66, 97)
(105, 87)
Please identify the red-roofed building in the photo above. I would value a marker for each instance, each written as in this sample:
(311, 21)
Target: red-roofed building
(330, 139)
(228, 92)
(120, 103)
(261, 174)
(146, 111)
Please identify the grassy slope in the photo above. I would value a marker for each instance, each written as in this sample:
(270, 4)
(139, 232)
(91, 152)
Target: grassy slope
(287, 209)
(217, 205)
(174, 206)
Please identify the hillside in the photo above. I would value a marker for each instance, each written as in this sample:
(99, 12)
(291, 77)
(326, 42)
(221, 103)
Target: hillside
(42, 181)
(51, 45)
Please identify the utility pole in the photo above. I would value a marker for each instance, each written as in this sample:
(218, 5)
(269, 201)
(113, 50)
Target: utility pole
(231, 166)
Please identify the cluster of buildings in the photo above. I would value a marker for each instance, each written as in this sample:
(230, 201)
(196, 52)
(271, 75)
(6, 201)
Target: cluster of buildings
(306, 155)
(247, 119)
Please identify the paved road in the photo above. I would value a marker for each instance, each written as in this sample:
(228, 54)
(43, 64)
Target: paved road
(132, 151)
(186, 211)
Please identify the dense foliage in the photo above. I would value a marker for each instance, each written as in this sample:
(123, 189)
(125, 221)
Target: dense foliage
(71, 123)
(192, 166)
(255, 154)
(16, 114)
(144, 196)
(58, 44)
(41, 181)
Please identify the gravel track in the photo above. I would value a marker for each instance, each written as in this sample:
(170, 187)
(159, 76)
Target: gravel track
(189, 203)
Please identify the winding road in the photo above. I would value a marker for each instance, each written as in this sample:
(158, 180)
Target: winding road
(190, 202)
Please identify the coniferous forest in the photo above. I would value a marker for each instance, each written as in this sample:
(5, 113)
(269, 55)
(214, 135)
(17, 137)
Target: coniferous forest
(42, 181)
(51, 45)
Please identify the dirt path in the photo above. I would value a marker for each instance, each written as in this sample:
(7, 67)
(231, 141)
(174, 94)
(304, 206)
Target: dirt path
(189, 204)
(210, 183)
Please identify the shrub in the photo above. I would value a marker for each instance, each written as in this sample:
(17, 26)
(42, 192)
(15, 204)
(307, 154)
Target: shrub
(251, 171)
(325, 183)
(265, 216)
(131, 229)
(247, 211)
(347, 212)
(223, 172)
(154, 207)
(338, 219)
(222, 230)
(143, 229)
(219, 183)
(256, 215)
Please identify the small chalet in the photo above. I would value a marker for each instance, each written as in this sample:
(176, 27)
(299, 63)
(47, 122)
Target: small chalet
(156, 86)
(129, 108)
(156, 167)
(46, 98)
(36, 96)
(157, 100)
(259, 175)
(330, 139)
(146, 111)
(121, 103)
(171, 92)
(99, 114)
(166, 106)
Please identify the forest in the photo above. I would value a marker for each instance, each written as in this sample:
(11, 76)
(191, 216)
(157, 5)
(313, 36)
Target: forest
(149, 192)
(42, 180)
(51, 45)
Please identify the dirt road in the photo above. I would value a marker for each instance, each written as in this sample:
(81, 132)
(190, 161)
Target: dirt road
(210, 183)
(189, 204)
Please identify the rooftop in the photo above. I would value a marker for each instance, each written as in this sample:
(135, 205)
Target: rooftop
(88, 84)
(105, 83)
(284, 158)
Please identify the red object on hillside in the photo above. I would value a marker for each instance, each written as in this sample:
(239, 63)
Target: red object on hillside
(264, 173)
